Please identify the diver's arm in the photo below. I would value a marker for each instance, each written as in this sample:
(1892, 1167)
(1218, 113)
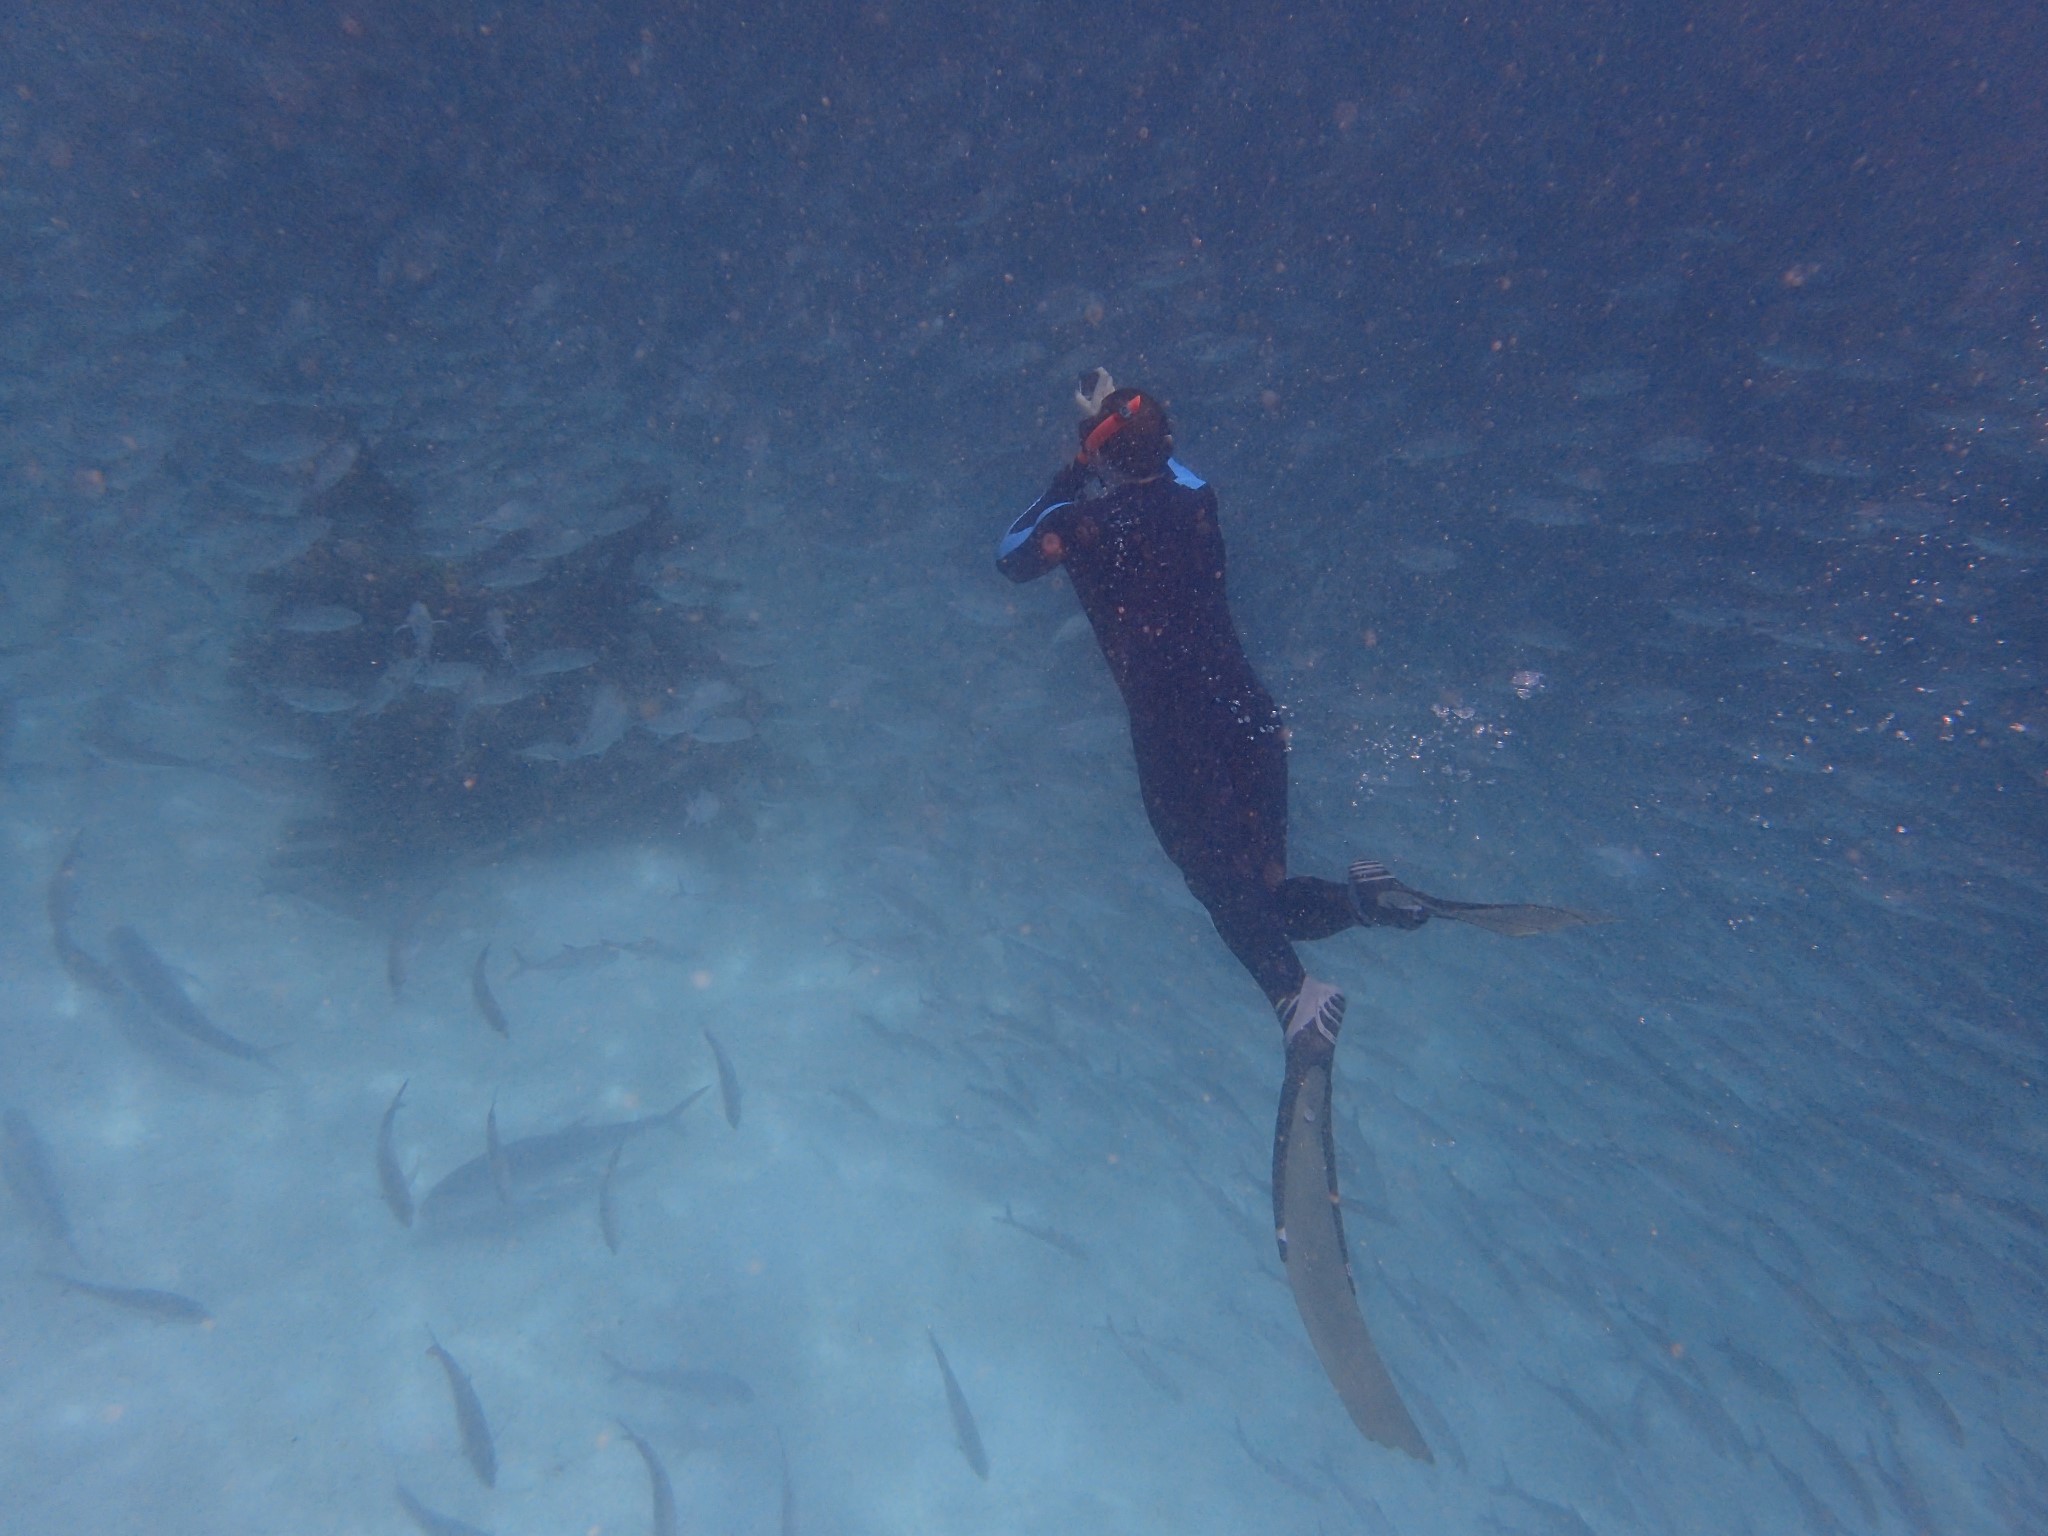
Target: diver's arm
(1036, 541)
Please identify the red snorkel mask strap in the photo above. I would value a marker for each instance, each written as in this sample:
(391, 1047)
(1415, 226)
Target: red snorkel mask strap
(1109, 427)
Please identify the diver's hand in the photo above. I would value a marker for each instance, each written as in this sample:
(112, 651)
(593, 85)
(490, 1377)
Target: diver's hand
(1069, 482)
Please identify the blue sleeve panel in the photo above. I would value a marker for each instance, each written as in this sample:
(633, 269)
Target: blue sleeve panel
(1018, 537)
(1021, 554)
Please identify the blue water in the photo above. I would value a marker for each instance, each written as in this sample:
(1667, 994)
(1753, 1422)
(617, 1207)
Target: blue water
(1631, 432)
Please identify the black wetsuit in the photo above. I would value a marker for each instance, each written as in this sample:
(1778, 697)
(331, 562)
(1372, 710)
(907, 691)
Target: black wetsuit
(1146, 560)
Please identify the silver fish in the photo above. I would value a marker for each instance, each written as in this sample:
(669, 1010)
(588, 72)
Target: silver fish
(707, 698)
(657, 1475)
(706, 1389)
(494, 1155)
(390, 1177)
(670, 723)
(498, 630)
(270, 548)
(728, 1081)
(317, 701)
(390, 686)
(540, 1171)
(394, 961)
(112, 747)
(965, 1433)
(419, 623)
(572, 957)
(607, 1217)
(25, 1162)
(512, 575)
(285, 448)
(332, 467)
(486, 1001)
(606, 726)
(448, 676)
(1052, 1237)
(552, 663)
(165, 1306)
(475, 1429)
(554, 543)
(85, 968)
(319, 619)
(510, 516)
(157, 985)
(788, 1522)
(495, 689)
(722, 731)
(690, 714)
(432, 1521)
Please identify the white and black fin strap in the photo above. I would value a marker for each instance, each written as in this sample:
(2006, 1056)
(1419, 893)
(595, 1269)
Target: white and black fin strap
(1371, 875)
(1370, 881)
(1327, 1021)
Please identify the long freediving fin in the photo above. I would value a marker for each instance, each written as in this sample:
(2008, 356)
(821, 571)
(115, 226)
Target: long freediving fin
(1373, 883)
(1518, 920)
(1310, 1229)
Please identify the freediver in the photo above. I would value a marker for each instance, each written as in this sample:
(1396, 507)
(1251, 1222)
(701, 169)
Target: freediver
(1145, 555)
(1137, 533)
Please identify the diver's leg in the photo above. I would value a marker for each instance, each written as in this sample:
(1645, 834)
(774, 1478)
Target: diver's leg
(1247, 919)
(1315, 909)
(1201, 820)
(1372, 898)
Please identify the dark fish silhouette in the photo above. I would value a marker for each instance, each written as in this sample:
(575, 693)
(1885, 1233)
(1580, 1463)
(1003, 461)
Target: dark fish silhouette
(25, 1162)
(965, 1433)
(728, 1081)
(538, 1171)
(494, 1156)
(657, 1475)
(475, 1429)
(607, 1217)
(486, 1002)
(390, 1177)
(707, 1389)
(1052, 1237)
(157, 985)
(588, 957)
(165, 1306)
(788, 1522)
(571, 957)
(82, 966)
(394, 977)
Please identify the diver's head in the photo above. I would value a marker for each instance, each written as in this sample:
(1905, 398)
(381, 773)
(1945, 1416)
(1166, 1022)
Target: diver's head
(1122, 430)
